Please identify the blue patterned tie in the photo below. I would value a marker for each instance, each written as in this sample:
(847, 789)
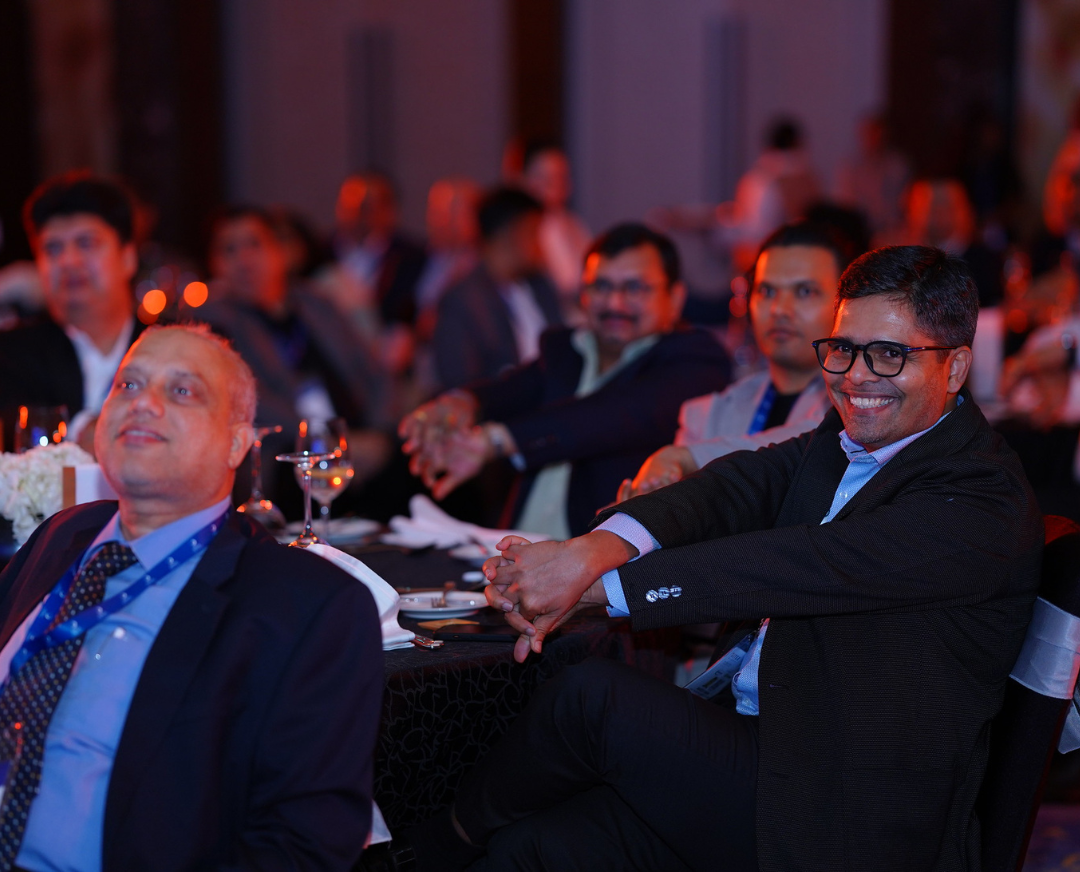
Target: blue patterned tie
(30, 697)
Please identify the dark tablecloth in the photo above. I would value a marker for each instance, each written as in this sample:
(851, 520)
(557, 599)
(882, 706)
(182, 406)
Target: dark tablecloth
(443, 709)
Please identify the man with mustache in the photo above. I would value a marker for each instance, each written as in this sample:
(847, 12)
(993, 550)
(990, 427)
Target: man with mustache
(81, 229)
(596, 403)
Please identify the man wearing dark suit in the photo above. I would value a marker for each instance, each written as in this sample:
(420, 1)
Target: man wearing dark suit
(593, 406)
(894, 552)
(222, 716)
(81, 231)
(492, 319)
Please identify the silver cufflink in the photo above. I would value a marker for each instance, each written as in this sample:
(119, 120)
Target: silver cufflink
(651, 596)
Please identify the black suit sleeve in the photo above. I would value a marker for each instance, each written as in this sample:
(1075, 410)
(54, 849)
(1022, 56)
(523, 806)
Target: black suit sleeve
(637, 412)
(947, 536)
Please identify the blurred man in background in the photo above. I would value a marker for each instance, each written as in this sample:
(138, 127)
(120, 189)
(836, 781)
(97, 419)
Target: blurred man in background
(81, 229)
(492, 319)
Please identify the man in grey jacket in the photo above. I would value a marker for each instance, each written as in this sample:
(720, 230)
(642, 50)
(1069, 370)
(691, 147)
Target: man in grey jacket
(792, 302)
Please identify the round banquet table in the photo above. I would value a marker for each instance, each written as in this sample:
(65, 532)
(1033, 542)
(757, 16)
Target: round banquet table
(443, 708)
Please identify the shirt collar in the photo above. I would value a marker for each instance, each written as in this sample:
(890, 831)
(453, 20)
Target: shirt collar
(857, 454)
(84, 344)
(158, 544)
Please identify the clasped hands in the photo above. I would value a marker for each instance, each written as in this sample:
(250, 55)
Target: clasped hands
(539, 586)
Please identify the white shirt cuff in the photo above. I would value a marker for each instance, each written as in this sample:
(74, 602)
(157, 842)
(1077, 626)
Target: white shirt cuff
(629, 530)
(625, 527)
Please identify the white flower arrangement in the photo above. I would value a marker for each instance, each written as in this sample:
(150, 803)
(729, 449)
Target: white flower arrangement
(31, 484)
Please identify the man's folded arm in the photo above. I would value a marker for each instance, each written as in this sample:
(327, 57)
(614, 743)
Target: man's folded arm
(945, 546)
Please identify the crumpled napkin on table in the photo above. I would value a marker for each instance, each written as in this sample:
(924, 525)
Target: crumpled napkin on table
(387, 600)
(430, 525)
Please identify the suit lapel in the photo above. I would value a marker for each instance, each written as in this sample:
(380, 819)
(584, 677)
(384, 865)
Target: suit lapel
(170, 667)
(53, 558)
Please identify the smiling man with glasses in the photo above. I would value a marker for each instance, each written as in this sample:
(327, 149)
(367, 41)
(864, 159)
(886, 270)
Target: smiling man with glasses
(886, 564)
(597, 401)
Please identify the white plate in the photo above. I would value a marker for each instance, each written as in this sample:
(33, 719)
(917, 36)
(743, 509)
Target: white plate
(459, 603)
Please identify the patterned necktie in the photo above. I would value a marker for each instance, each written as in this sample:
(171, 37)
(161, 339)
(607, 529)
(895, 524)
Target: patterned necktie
(30, 696)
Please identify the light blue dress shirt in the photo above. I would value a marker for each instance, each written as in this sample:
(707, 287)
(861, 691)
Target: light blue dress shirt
(862, 466)
(64, 830)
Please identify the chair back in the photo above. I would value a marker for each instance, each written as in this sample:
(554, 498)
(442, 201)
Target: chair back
(1025, 733)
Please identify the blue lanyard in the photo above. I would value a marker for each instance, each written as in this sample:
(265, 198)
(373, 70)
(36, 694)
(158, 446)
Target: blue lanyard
(763, 409)
(37, 639)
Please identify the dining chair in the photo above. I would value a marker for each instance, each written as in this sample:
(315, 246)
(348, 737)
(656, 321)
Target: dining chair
(1025, 734)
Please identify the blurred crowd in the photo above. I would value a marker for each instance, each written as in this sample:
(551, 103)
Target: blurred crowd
(532, 370)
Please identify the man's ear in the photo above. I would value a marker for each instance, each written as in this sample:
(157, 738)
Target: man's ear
(678, 300)
(130, 259)
(959, 366)
(243, 436)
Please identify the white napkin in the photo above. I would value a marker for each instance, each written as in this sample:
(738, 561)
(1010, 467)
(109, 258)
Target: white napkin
(430, 525)
(387, 600)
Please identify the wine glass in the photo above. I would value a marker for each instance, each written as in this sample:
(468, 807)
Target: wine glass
(40, 425)
(257, 505)
(331, 476)
(304, 461)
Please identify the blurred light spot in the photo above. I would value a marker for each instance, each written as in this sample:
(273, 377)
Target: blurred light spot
(195, 294)
(154, 301)
(145, 316)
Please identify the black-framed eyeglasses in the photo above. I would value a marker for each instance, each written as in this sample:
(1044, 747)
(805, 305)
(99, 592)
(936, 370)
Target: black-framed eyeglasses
(885, 359)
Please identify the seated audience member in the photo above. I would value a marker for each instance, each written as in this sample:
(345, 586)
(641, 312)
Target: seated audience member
(374, 280)
(223, 709)
(564, 238)
(895, 553)
(777, 189)
(939, 214)
(792, 302)
(307, 359)
(80, 227)
(593, 406)
(452, 236)
(492, 319)
(874, 179)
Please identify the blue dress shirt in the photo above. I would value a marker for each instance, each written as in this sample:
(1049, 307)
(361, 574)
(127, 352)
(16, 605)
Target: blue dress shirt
(862, 466)
(64, 830)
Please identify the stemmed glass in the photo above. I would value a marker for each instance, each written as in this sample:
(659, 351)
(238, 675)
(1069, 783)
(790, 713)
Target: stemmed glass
(304, 461)
(331, 476)
(257, 505)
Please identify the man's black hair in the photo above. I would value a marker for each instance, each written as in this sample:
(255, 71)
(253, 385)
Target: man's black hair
(80, 193)
(630, 235)
(535, 147)
(501, 207)
(236, 212)
(813, 234)
(938, 287)
(784, 134)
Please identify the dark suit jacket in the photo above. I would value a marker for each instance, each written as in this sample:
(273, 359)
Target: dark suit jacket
(608, 434)
(474, 338)
(395, 286)
(343, 351)
(39, 367)
(250, 738)
(893, 630)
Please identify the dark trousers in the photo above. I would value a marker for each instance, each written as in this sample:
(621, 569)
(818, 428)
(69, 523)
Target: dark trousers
(609, 768)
